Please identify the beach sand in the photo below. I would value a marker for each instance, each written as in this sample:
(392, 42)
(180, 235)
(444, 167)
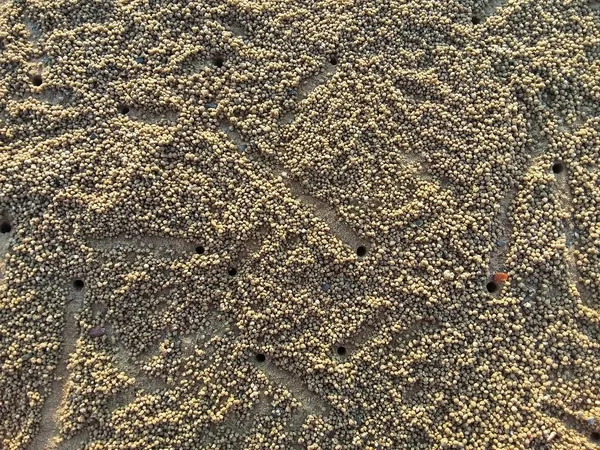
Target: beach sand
(324, 224)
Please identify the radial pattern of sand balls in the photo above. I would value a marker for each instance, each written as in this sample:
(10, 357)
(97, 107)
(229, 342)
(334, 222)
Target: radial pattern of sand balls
(283, 224)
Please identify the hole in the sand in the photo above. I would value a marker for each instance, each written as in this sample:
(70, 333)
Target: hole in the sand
(36, 80)
(361, 251)
(558, 167)
(595, 436)
(78, 284)
(218, 61)
(260, 357)
(334, 60)
(232, 271)
(5, 227)
(475, 20)
(341, 350)
(123, 109)
(200, 250)
(491, 286)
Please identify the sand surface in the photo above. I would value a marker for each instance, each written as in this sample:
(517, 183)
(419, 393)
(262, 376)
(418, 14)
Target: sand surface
(277, 224)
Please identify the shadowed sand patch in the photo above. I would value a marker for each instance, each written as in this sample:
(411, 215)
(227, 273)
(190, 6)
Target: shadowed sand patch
(48, 437)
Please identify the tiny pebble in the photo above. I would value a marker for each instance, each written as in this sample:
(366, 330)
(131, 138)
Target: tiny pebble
(97, 331)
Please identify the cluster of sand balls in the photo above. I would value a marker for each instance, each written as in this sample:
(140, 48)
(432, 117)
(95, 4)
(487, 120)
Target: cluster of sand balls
(236, 224)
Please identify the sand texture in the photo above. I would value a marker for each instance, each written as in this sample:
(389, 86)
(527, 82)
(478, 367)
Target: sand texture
(299, 224)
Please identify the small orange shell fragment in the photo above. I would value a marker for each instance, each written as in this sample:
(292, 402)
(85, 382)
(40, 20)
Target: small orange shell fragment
(500, 277)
